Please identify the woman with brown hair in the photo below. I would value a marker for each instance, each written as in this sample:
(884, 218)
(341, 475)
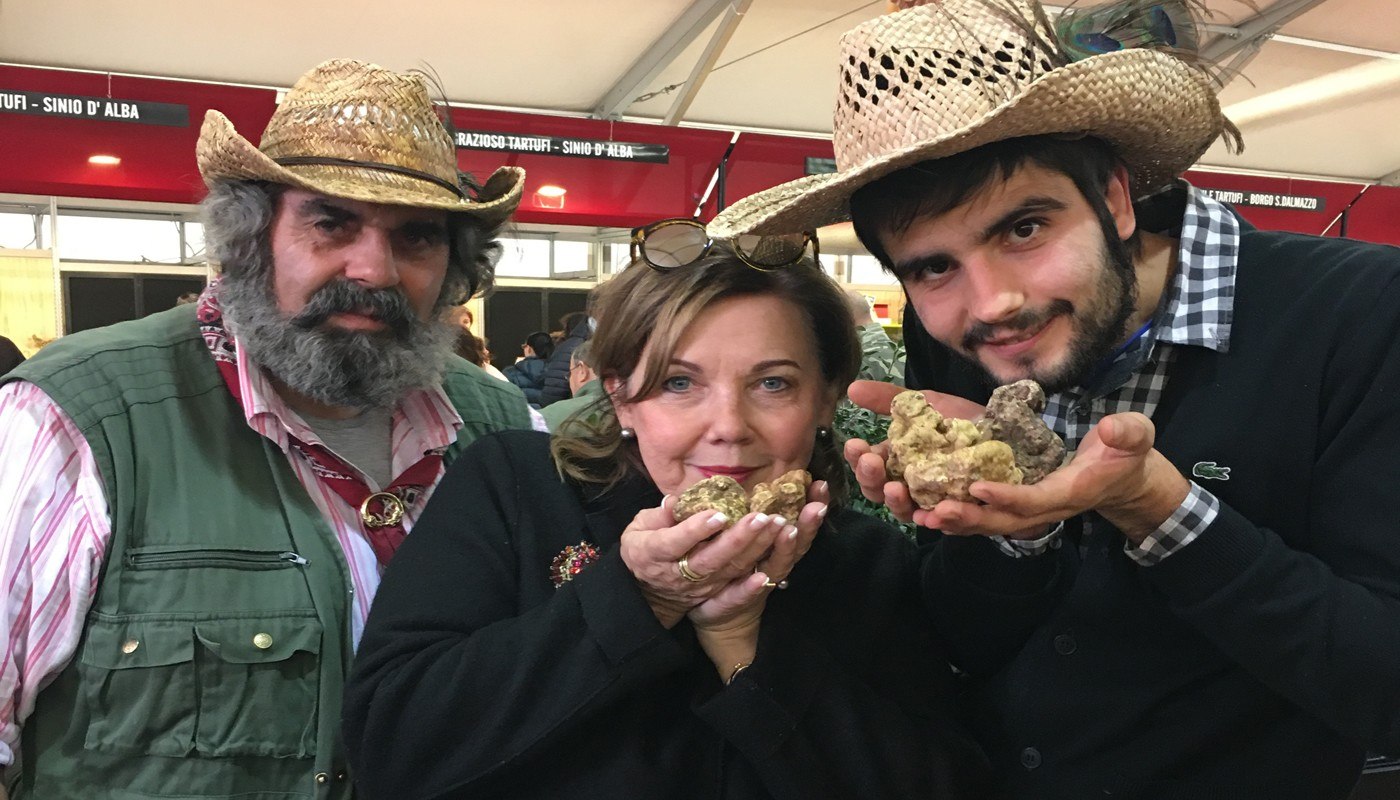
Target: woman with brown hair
(551, 630)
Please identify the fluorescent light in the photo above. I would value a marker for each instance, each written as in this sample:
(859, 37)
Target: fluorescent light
(104, 160)
(1315, 95)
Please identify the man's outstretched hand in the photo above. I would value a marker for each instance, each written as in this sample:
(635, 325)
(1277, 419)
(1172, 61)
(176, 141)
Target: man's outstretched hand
(1115, 472)
(868, 461)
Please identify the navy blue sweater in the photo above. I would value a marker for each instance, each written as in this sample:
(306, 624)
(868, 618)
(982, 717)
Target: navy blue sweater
(1262, 659)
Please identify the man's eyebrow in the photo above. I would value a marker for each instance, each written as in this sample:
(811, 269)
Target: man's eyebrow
(424, 226)
(1031, 205)
(918, 264)
(320, 206)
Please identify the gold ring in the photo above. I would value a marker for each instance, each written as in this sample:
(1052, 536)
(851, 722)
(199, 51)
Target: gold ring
(770, 584)
(686, 572)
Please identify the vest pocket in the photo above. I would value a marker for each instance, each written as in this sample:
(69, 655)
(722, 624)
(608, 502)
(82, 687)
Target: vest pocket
(259, 680)
(180, 557)
(139, 686)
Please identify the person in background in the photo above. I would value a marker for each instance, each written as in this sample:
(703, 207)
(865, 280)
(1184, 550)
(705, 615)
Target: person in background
(470, 347)
(528, 372)
(578, 328)
(195, 507)
(10, 356)
(586, 388)
(547, 639)
(880, 358)
(1205, 600)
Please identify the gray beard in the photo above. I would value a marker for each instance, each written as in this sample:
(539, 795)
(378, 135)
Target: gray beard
(355, 369)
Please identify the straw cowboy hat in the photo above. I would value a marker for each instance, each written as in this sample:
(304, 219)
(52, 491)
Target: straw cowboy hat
(946, 77)
(359, 131)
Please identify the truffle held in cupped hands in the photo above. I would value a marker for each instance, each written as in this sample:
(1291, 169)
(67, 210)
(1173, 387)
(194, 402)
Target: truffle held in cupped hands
(784, 496)
(719, 493)
(940, 457)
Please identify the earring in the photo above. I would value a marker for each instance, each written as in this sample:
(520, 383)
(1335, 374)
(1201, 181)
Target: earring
(628, 433)
(823, 433)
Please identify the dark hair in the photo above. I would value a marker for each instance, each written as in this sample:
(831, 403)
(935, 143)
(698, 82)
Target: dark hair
(541, 343)
(571, 320)
(643, 306)
(472, 348)
(932, 188)
(238, 234)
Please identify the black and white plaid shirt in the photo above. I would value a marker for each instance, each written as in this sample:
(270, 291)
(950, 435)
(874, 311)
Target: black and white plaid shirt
(1196, 312)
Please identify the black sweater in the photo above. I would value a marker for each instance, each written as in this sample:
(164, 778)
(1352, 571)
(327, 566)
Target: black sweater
(477, 678)
(1262, 659)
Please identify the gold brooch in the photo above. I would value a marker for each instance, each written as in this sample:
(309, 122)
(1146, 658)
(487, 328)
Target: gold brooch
(382, 510)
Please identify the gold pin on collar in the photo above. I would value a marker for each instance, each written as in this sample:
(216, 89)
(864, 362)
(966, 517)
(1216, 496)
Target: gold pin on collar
(390, 510)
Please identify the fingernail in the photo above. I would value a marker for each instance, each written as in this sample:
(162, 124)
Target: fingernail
(780, 521)
(760, 519)
(791, 531)
(717, 521)
(821, 512)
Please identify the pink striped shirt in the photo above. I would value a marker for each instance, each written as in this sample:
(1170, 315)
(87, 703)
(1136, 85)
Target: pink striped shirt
(54, 523)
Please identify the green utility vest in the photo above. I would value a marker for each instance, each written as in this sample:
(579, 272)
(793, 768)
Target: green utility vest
(216, 650)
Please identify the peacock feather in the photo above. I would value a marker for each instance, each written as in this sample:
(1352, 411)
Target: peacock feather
(1167, 25)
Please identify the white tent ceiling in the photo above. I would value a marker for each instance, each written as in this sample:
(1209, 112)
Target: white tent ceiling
(1327, 107)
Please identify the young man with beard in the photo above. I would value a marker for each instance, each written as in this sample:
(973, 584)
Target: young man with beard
(1205, 601)
(195, 507)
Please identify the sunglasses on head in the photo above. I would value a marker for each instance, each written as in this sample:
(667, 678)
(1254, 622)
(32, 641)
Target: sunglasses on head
(673, 243)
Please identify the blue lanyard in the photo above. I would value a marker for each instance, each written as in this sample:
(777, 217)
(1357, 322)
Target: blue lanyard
(1106, 366)
(1123, 348)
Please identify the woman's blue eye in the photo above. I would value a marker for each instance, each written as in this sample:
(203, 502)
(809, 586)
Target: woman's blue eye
(677, 383)
(775, 384)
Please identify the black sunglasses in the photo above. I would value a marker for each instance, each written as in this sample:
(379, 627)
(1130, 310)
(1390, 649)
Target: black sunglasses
(673, 243)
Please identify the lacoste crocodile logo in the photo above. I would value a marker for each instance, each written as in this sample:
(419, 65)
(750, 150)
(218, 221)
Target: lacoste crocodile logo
(1209, 470)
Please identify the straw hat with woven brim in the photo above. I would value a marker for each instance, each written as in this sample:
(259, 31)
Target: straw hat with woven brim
(359, 131)
(944, 78)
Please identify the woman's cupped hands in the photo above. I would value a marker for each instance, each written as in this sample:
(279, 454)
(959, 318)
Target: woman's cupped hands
(718, 576)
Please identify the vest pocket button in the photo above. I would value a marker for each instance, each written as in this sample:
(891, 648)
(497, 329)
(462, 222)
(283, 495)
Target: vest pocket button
(262, 641)
(130, 645)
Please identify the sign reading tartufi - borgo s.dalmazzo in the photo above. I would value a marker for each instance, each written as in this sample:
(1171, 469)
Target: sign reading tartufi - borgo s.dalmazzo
(108, 109)
(1293, 202)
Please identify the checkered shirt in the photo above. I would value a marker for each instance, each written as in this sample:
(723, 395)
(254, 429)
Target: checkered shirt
(1196, 312)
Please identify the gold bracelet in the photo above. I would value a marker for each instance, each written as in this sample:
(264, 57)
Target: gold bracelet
(738, 668)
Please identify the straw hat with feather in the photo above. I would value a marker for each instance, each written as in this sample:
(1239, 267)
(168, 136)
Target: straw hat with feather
(359, 131)
(946, 77)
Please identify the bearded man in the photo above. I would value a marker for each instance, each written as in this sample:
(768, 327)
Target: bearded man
(195, 507)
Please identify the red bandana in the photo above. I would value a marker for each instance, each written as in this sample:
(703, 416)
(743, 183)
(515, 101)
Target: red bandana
(381, 513)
